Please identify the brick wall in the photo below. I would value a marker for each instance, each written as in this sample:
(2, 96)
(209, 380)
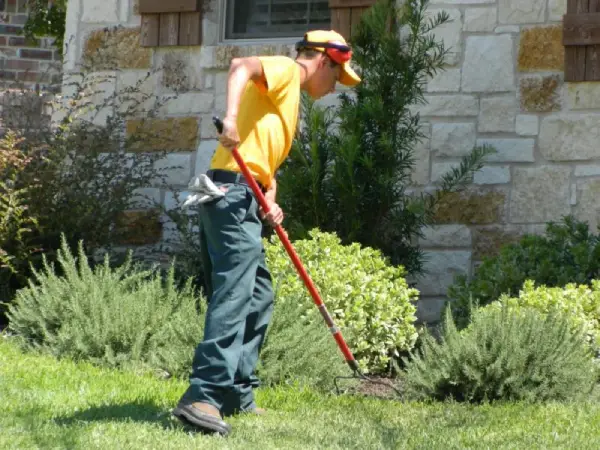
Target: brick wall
(28, 64)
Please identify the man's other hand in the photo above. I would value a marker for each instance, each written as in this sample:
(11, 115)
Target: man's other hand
(275, 215)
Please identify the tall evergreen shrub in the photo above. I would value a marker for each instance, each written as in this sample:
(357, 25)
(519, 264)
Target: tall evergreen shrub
(351, 167)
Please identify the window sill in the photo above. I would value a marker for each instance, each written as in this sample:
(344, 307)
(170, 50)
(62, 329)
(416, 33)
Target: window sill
(261, 41)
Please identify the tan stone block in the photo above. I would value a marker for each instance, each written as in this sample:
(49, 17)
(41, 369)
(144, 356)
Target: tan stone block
(449, 33)
(441, 267)
(572, 137)
(540, 94)
(116, 48)
(163, 134)
(96, 11)
(521, 11)
(137, 91)
(189, 103)
(488, 64)
(207, 128)
(472, 207)
(430, 309)
(452, 236)
(557, 8)
(448, 105)
(422, 156)
(583, 95)
(487, 241)
(497, 114)
(480, 19)
(541, 49)
(180, 68)
(540, 194)
(223, 54)
(588, 202)
(139, 227)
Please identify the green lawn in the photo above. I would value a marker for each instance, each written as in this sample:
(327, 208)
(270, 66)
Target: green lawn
(51, 404)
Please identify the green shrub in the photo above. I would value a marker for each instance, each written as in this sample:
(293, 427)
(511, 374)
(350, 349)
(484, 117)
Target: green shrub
(84, 168)
(114, 317)
(369, 299)
(17, 225)
(580, 303)
(46, 19)
(503, 356)
(299, 350)
(567, 253)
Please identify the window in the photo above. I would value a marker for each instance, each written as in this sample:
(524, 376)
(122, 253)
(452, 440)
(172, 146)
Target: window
(253, 19)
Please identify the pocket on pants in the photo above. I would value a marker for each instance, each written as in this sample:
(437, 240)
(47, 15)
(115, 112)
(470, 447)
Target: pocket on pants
(236, 204)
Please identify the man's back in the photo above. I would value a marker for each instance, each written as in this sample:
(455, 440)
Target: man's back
(267, 120)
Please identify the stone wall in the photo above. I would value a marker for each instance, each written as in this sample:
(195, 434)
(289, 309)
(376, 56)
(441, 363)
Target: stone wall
(503, 85)
(26, 63)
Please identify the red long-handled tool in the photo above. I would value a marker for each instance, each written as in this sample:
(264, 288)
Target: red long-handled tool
(337, 334)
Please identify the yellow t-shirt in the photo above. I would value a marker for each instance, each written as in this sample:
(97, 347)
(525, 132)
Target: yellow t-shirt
(267, 120)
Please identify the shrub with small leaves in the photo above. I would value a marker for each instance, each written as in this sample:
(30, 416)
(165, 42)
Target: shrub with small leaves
(580, 303)
(111, 316)
(567, 253)
(87, 167)
(298, 349)
(503, 356)
(369, 298)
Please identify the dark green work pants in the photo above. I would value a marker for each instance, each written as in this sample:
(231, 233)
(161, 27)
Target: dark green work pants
(240, 302)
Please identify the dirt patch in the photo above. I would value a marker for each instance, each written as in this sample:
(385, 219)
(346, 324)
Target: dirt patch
(378, 387)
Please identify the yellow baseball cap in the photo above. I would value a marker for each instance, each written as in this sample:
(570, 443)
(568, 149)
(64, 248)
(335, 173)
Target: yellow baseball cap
(348, 76)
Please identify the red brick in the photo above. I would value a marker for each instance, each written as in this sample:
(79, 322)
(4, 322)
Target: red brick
(7, 75)
(10, 29)
(2, 39)
(11, 6)
(36, 54)
(16, 41)
(16, 64)
(22, 5)
(32, 76)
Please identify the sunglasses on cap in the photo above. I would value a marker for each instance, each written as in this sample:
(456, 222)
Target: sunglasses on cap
(339, 53)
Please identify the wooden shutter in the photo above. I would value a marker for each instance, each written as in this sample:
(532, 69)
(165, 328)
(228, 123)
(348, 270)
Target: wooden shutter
(171, 22)
(345, 14)
(581, 38)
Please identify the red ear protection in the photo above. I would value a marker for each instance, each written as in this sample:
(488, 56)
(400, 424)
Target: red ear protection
(339, 53)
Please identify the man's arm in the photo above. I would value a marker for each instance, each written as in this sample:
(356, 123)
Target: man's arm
(241, 71)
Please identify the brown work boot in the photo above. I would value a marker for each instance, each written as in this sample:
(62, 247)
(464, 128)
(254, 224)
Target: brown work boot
(203, 416)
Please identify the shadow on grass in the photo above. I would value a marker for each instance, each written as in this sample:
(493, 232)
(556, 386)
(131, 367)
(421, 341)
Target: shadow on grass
(135, 412)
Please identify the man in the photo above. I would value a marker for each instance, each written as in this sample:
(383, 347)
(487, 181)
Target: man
(263, 101)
